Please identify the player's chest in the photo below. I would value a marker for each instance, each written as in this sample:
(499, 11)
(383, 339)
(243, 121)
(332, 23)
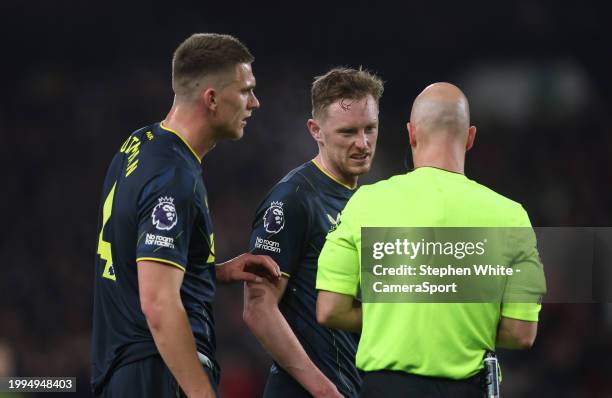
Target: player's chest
(325, 216)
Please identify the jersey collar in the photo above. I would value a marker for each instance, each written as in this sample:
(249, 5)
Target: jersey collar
(161, 124)
(328, 174)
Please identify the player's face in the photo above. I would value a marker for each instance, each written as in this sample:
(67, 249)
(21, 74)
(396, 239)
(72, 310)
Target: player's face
(349, 134)
(236, 103)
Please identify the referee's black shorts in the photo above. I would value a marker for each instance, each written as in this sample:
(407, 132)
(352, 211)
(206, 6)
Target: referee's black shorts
(148, 377)
(391, 384)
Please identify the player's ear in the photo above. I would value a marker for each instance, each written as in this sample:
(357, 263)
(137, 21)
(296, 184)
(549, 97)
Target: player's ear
(209, 96)
(314, 129)
(411, 136)
(471, 137)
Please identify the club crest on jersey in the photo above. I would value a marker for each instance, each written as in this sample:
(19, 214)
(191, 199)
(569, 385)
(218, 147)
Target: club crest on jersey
(274, 218)
(164, 215)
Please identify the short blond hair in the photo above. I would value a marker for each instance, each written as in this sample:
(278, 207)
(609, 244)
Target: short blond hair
(342, 82)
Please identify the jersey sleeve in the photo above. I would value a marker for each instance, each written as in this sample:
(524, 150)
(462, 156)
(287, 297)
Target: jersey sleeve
(279, 228)
(526, 287)
(339, 263)
(166, 215)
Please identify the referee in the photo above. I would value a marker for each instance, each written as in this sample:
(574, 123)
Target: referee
(431, 349)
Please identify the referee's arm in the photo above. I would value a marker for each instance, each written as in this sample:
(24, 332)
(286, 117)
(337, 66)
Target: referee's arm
(338, 274)
(338, 311)
(515, 334)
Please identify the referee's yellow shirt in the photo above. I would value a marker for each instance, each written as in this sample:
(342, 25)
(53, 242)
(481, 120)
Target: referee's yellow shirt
(430, 339)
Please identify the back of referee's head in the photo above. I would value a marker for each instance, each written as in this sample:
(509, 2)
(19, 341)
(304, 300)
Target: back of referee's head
(440, 121)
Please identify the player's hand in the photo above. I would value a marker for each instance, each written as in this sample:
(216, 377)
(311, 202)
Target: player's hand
(248, 268)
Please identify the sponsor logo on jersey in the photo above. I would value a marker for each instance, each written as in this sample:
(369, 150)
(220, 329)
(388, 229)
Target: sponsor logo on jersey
(268, 245)
(161, 241)
(164, 215)
(274, 218)
(333, 221)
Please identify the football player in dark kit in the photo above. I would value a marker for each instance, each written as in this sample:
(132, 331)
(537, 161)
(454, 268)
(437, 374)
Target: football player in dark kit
(290, 226)
(155, 273)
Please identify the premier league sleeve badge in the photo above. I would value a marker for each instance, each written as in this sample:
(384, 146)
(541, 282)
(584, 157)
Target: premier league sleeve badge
(274, 218)
(164, 215)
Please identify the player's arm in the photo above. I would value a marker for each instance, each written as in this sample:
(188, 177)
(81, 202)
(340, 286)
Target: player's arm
(280, 224)
(159, 289)
(339, 311)
(516, 334)
(267, 323)
(248, 268)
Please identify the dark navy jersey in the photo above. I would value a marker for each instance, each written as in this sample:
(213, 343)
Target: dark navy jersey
(290, 226)
(154, 207)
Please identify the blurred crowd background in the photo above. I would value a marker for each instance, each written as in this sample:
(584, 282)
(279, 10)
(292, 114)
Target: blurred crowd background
(78, 77)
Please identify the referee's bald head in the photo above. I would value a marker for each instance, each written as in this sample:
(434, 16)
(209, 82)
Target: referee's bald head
(441, 108)
(439, 127)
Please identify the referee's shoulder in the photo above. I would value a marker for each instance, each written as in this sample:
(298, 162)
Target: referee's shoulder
(375, 191)
(380, 186)
(503, 202)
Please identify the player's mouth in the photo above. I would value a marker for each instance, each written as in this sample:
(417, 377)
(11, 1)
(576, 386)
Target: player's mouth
(360, 158)
(244, 121)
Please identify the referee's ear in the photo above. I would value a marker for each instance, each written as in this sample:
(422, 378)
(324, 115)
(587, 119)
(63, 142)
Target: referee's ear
(471, 137)
(315, 130)
(411, 136)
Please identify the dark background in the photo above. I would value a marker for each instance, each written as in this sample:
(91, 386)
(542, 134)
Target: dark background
(78, 77)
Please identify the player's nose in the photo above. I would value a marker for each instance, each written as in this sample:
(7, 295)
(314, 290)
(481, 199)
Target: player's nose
(253, 102)
(361, 141)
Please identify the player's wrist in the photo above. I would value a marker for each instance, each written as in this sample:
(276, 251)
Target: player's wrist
(321, 386)
(325, 390)
(225, 271)
(203, 390)
(221, 272)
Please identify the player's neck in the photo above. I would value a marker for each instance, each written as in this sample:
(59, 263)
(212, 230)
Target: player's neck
(451, 160)
(190, 125)
(350, 181)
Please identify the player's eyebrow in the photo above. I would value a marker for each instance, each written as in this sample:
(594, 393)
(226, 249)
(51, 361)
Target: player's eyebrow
(347, 129)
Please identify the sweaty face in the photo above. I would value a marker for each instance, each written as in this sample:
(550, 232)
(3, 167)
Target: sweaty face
(349, 132)
(236, 102)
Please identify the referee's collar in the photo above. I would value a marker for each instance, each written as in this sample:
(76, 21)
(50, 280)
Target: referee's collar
(433, 168)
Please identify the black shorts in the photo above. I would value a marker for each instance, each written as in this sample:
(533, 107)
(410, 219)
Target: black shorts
(281, 385)
(148, 377)
(398, 384)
